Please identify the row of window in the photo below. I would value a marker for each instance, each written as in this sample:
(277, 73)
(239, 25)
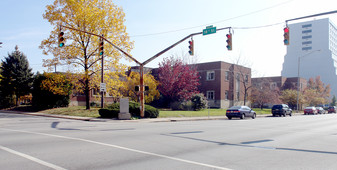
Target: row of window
(211, 76)
(306, 37)
(211, 95)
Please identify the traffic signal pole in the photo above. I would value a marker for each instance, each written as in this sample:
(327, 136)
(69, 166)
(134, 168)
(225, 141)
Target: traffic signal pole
(141, 65)
(309, 16)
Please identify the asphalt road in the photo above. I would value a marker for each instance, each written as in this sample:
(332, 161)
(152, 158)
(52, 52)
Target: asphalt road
(298, 142)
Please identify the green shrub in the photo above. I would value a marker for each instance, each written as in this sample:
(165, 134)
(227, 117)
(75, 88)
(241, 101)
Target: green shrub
(150, 112)
(199, 101)
(176, 106)
(108, 113)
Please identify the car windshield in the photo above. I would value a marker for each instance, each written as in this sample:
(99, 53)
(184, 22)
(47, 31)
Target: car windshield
(235, 107)
(277, 106)
(309, 108)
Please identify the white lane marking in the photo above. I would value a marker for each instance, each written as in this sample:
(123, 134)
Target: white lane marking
(123, 148)
(32, 158)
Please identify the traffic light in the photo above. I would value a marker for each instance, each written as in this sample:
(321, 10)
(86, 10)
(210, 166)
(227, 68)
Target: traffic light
(229, 41)
(101, 46)
(191, 51)
(61, 39)
(286, 36)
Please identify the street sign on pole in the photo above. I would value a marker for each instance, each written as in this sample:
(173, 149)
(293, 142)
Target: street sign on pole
(209, 30)
(103, 87)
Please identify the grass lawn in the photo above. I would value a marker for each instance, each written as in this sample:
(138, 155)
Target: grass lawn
(93, 112)
(74, 111)
(203, 113)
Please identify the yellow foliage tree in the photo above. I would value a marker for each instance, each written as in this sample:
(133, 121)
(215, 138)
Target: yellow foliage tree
(58, 84)
(133, 80)
(80, 53)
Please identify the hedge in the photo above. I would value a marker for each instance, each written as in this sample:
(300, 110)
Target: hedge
(113, 110)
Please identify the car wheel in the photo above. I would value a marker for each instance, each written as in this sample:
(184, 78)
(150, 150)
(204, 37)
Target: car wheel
(230, 118)
(290, 114)
(242, 116)
(284, 114)
(254, 116)
(274, 115)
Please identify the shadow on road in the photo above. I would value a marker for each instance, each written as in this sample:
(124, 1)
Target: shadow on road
(247, 144)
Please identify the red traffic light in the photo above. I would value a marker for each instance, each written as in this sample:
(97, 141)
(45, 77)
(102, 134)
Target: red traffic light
(229, 41)
(191, 47)
(286, 36)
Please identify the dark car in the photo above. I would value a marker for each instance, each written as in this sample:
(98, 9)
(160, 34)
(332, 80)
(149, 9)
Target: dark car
(332, 109)
(241, 112)
(281, 110)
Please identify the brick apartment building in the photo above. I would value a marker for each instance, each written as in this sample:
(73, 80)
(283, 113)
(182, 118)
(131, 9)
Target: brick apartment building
(224, 84)
(282, 83)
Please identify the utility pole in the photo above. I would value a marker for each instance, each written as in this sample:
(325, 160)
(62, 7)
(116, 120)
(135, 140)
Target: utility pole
(101, 53)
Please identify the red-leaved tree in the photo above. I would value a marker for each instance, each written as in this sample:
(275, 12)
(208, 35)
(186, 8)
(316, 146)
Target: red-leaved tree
(177, 81)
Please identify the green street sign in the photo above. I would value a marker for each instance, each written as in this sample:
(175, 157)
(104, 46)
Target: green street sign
(209, 30)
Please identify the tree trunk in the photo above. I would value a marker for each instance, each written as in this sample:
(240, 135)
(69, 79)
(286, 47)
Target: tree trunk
(87, 94)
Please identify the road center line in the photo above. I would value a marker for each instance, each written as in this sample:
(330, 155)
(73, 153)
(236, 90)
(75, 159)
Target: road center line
(32, 158)
(123, 148)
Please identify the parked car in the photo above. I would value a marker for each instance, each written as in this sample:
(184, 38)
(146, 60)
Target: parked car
(281, 110)
(310, 110)
(241, 112)
(320, 110)
(332, 109)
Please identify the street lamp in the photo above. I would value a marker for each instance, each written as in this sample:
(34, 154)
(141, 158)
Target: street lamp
(298, 75)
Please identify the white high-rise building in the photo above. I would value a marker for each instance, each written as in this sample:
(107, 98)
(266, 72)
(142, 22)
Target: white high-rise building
(315, 43)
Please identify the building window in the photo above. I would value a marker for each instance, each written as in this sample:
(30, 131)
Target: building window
(226, 95)
(210, 75)
(210, 95)
(238, 95)
(306, 31)
(273, 85)
(306, 48)
(306, 42)
(226, 75)
(307, 25)
(246, 78)
(306, 37)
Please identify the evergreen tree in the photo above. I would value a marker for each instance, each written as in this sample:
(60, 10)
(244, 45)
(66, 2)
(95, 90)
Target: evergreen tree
(333, 103)
(17, 78)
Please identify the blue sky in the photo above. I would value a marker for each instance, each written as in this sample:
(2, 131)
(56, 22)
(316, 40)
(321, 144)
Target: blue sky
(154, 25)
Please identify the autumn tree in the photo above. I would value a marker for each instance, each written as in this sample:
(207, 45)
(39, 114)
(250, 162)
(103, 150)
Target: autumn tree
(100, 17)
(51, 90)
(316, 92)
(177, 81)
(133, 80)
(263, 93)
(289, 96)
